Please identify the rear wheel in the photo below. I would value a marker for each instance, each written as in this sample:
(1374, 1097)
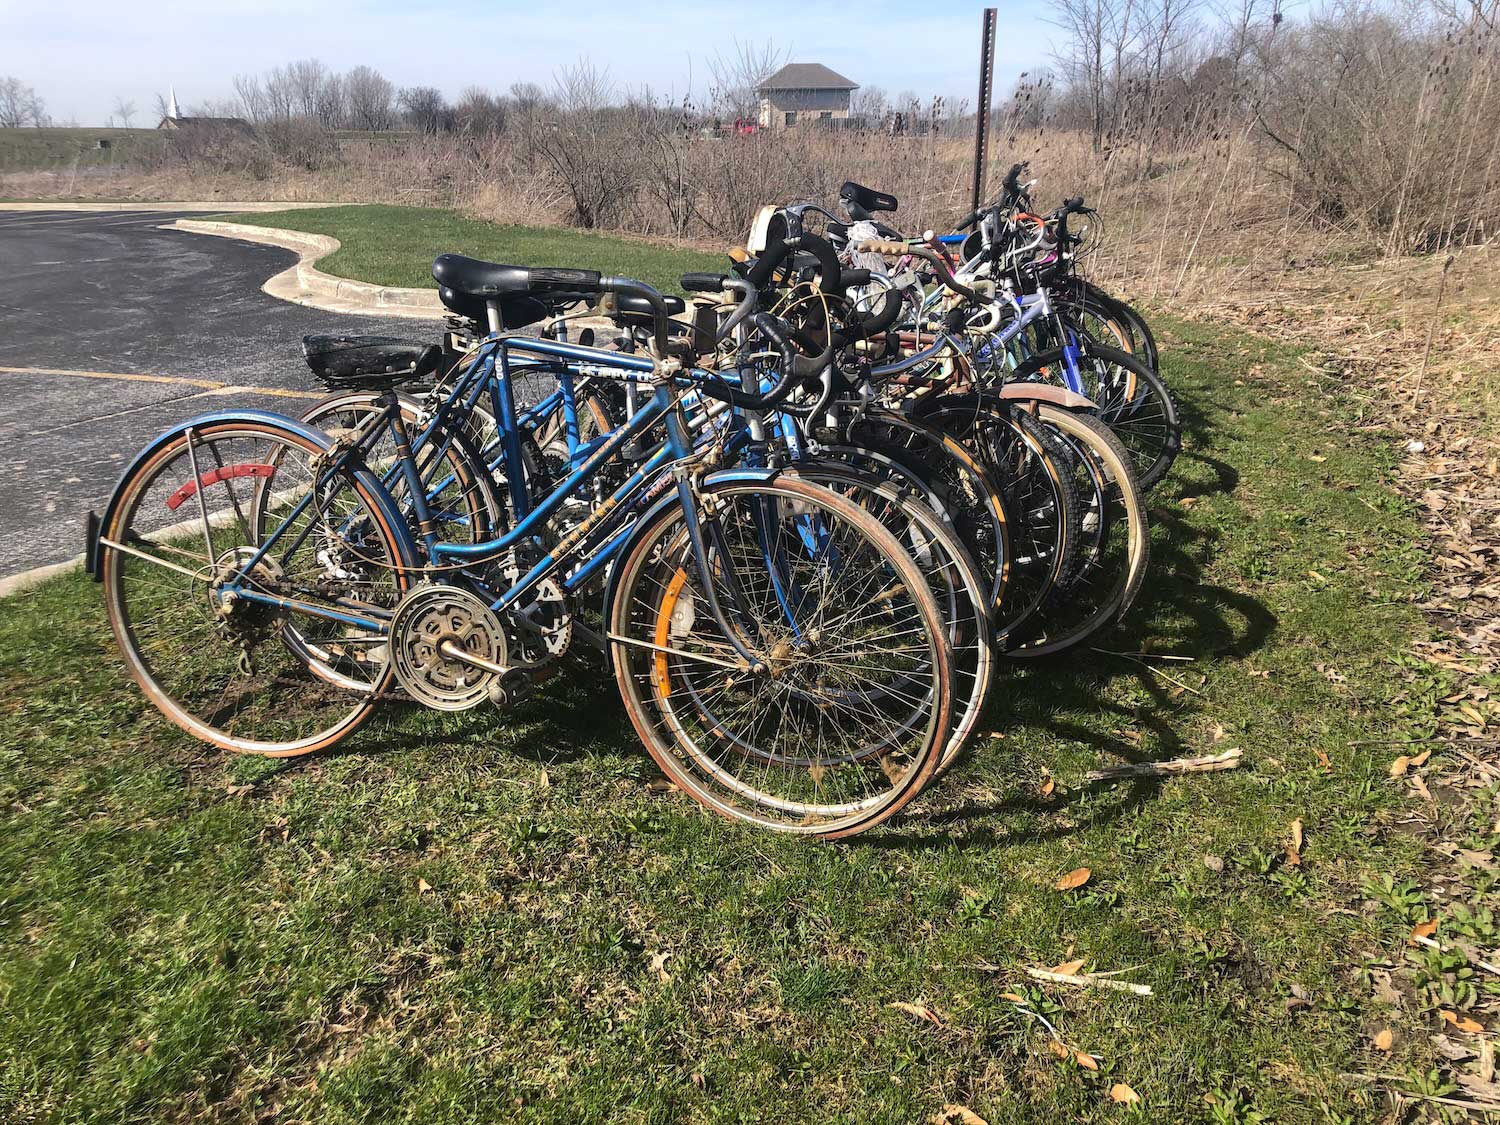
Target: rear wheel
(199, 610)
(1112, 547)
(1128, 397)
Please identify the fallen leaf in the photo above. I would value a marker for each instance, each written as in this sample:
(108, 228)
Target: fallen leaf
(996, 734)
(1218, 733)
(959, 1114)
(239, 790)
(1423, 929)
(1047, 787)
(1067, 968)
(658, 965)
(1214, 863)
(1317, 457)
(1315, 574)
(1123, 1094)
(1451, 1049)
(1294, 849)
(1384, 1040)
(1059, 1049)
(1085, 1060)
(1472, 715)
(423, 887)
(1421, 787)
(1398, 767)
(1324, 762)
(660, 785)
(543, 781)
(1013, 997)
(1074, 879)
(1421, 759)
(1463, 1023)
(920, 1011)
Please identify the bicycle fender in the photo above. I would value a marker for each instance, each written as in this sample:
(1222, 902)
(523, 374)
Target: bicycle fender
(388, 507)
(1046, 392)
(722, 476)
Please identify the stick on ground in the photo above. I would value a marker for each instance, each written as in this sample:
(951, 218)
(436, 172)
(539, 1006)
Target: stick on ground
(1225, 761)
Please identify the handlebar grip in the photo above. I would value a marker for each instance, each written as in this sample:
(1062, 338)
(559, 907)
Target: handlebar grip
(1013, 177)
(1074, 205)
(855, 277)
(572, 281)
(773, 328)
(704, 282)
(881, 246)
(968, 220)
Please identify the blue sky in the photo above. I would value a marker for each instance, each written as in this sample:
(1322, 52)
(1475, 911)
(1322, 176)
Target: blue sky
(81, 55)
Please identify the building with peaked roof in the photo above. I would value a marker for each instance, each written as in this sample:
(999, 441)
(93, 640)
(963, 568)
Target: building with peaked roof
(175, 120)
(803, 92)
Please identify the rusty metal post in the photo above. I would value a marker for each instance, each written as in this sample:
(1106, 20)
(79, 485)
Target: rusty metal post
(982, 114)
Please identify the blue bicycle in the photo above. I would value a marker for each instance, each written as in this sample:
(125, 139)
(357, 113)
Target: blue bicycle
(778, 652)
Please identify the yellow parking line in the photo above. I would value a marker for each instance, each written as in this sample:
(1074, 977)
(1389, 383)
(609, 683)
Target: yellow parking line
(206, 384)
(273, 392)
(209, 385)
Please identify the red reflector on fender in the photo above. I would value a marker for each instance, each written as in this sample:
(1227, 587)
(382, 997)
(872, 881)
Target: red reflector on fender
(214, 476)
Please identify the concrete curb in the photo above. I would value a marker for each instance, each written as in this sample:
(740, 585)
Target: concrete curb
(19, 583)
(244, 208)
(305, 284)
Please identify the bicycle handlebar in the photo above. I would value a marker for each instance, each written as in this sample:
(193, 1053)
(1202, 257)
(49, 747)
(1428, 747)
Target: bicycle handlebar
(937, 261)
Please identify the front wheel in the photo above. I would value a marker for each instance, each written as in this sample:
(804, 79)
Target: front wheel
(846, 717)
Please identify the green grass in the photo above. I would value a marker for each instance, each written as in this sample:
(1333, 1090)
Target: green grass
(389, 245)
(26, 150)
(586, 949)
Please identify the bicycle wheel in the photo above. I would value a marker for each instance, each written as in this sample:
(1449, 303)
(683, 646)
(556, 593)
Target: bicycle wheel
(1143, 418)
(244, 674)
(845, 716)
(951, 575)
(1113, 545)
(465, 505)
(1037, 489)
(968, 497)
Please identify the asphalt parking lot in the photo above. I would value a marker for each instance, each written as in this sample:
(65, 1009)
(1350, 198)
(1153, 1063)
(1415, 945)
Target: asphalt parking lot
(112, 329)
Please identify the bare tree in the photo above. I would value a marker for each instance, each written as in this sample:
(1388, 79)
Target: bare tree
(480, 113)
(124, 110)
(527, 97)
(426, 111)
(371, 98)
(19, 105)
(162, 107)
(1081, 60)
(331, 106)
(868, 105)
(737, 73)
(280, 94)
(582, 87)
(307, 78)
(252, 97)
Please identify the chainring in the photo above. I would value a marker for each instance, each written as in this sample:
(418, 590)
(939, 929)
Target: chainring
(426, 618)
(549, 612)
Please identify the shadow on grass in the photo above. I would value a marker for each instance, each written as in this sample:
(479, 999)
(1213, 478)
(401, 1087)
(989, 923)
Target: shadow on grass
(576, 714)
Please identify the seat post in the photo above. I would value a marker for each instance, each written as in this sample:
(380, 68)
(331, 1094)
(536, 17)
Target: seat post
(492, 311)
